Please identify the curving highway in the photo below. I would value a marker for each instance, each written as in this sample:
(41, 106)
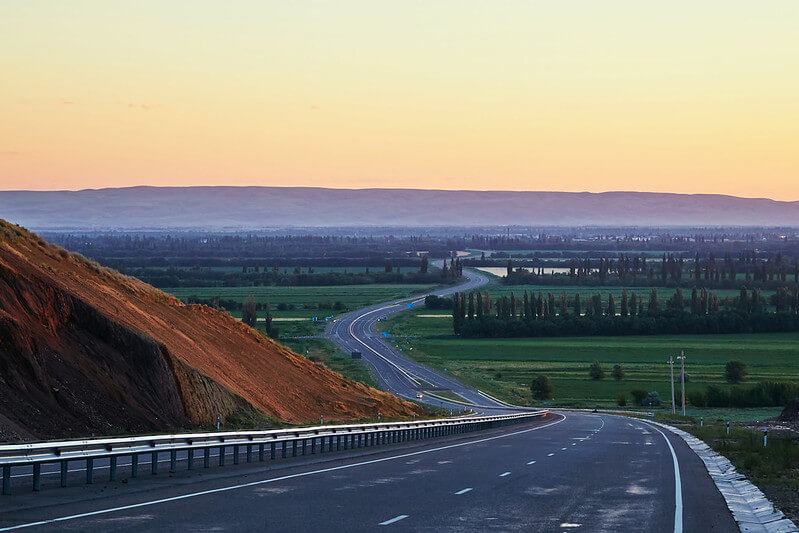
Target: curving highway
(394, 371)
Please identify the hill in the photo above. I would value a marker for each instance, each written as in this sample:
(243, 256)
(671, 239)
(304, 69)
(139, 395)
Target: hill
(85, 350)
(249, 207)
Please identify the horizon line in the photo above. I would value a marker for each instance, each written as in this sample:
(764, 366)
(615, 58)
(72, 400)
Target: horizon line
(147, 186)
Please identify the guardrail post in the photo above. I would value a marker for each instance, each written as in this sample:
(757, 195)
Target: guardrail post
(235, 454)
(249, 453)
(294, 448)
(207, 458)
(191, 459)
(37, 477)
(134, 465)
(89, 471)
(313, 445)
(304, 446)
(154, 463)
(261, 452)
(64, 471)
(321, 445)
(272, 451)
(283, 451)
(112, 468)
(6, 479)
(221, 456)
(338, 442)
(173, 461)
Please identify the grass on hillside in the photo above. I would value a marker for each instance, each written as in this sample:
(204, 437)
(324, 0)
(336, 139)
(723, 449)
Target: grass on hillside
(325, 352)
(505, 367)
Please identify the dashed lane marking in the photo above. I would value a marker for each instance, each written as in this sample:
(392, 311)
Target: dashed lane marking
(463, 491)
(395, 519)
(270, 480)
(504, 474)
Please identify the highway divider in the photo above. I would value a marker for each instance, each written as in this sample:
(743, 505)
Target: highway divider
(194, 448)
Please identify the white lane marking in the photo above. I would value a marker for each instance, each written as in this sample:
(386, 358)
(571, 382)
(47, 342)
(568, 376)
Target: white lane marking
(677, 485)
(272, 480)
(531, 463)
(569, 524)
(463, 491)
(395, 519)
(574, 444)
(504, 474)
(563, 449)
(550, 454)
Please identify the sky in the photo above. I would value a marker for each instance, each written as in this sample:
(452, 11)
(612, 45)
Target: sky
(680, 96)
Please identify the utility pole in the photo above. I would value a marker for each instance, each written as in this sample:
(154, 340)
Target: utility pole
(671, 367)
(681, 357)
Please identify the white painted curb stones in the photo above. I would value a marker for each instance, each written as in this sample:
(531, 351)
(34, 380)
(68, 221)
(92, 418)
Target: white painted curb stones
(750, 508)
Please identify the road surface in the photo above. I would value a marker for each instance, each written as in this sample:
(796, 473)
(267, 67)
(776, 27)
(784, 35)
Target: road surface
(575, 471)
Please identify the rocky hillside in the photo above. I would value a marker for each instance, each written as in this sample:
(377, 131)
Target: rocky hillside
(85, 350)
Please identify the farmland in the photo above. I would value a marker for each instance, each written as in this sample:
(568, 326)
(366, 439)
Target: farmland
(294, 307)
(505, 367)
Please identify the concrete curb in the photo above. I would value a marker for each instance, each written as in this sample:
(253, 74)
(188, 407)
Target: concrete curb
(751, 509)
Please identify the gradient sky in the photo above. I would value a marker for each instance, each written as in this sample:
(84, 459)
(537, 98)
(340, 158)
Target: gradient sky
(681, 96)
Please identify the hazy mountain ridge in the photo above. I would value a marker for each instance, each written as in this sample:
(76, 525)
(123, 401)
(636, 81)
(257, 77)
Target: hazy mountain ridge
(308, 206)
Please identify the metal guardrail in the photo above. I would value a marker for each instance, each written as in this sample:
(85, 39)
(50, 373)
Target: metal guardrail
(280, 442)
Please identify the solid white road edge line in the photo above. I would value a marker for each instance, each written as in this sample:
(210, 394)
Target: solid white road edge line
(272, 480)
(751, 511)
(677, 484)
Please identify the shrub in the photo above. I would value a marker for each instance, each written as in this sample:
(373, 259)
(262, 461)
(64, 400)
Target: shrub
(735, 371)
(595, 371)
(652, 399)
(621, 400)
(697, 398)
(638, 395)
(618, 372)
(541, 387)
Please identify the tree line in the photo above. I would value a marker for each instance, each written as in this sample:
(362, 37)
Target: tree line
(669, 270)
(476, 315)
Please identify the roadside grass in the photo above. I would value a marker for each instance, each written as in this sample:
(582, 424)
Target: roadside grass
(325, 352)
(505, 367)
(774, 469)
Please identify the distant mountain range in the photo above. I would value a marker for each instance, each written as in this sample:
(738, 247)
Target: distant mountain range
(259, 207)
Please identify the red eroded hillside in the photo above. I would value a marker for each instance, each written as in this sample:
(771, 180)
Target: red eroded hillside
(86, 350)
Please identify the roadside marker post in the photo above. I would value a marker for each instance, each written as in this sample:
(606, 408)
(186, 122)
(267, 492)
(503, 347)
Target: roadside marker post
(701, 421)
(765, 437)
(728, 427)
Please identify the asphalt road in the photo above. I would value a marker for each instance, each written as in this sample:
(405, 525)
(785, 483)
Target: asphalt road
(396, 373)
(575, 471)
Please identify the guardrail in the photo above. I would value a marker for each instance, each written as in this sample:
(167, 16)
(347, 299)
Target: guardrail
(279, 442)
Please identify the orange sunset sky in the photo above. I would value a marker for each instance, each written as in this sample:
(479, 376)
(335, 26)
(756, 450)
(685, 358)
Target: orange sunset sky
(680, 96)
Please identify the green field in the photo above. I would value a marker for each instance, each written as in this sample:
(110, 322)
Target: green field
(307, 302)
(505, 367)
(287, 269)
